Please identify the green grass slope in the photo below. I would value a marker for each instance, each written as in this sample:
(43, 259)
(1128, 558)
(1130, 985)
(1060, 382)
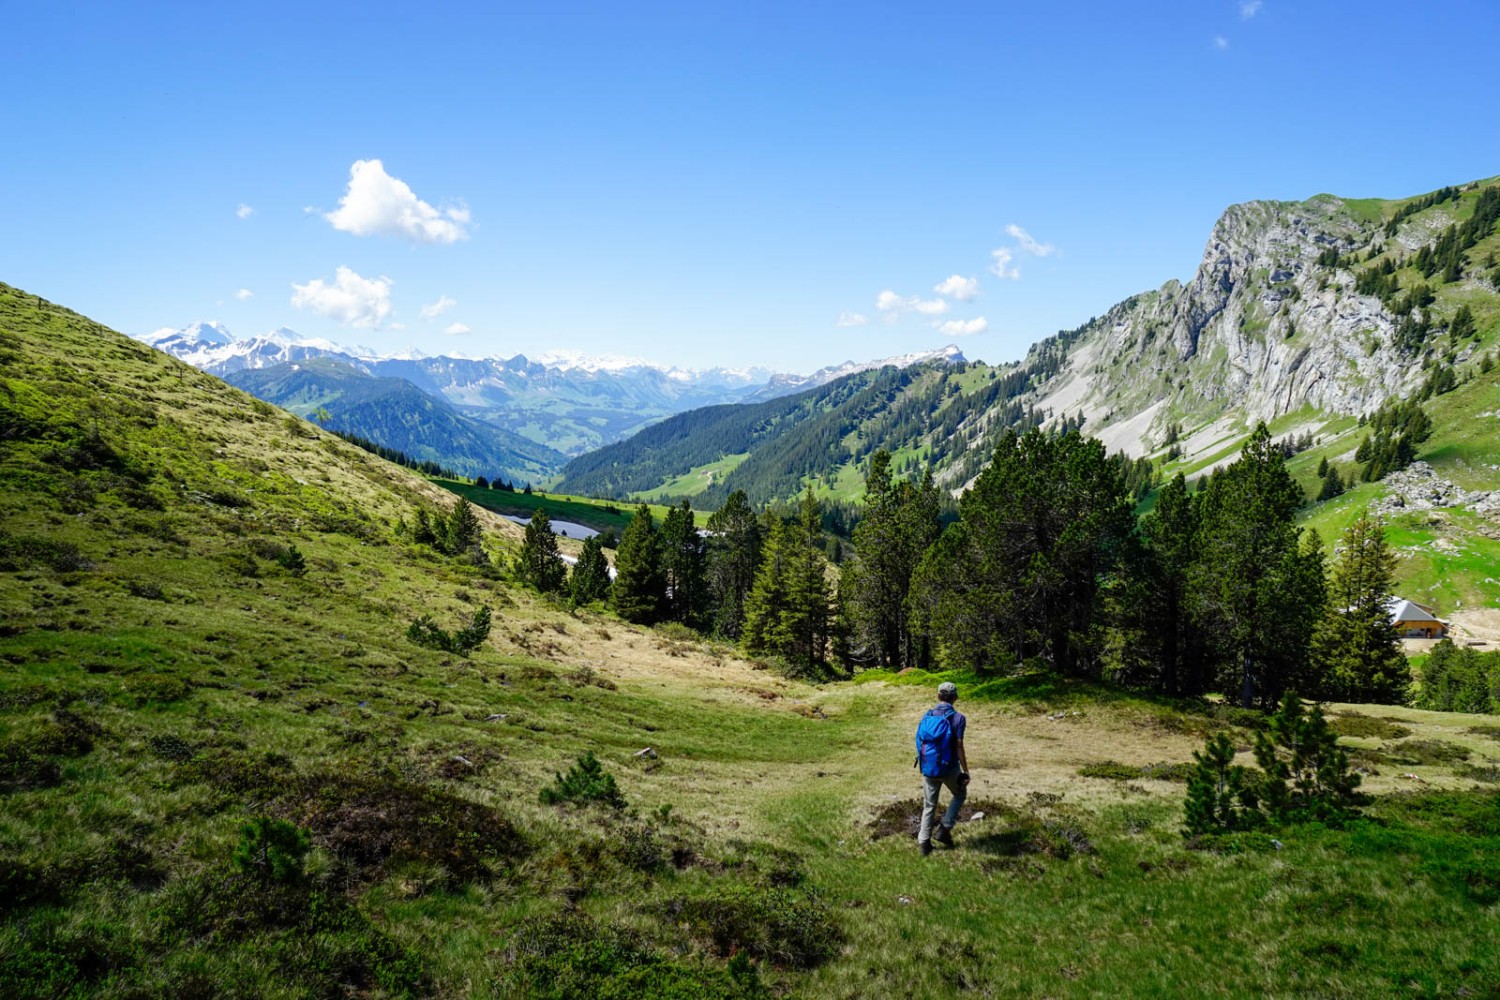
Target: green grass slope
(164, 679)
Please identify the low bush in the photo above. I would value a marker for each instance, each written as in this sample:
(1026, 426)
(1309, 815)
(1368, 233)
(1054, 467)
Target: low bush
(371, 820)
(785, 927)
(426, 632)
(571, 956)
(1365, 727)
(1418, 753)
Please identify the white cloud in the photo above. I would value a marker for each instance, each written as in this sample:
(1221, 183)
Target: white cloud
(1002, 267)
(378, 204)
(244, 294)
(435, 309)
(893, 305)
(454, 329)
(963, 327)
(958, 288)
(1221, 43)
(1004, 259)
(244, 211)
(350, 300)
(852, 319)
(1249, 8)
(1029, 245)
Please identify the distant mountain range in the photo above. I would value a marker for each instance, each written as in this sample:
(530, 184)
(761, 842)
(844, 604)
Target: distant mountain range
(517, 417)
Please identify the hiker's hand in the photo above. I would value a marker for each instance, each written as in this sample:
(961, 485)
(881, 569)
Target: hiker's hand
(965, 777)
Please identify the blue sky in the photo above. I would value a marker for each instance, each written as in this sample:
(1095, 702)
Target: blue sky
(701, 183)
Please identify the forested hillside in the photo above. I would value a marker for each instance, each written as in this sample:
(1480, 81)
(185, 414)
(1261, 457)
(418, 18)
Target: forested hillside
(939, 414)
(400, 416)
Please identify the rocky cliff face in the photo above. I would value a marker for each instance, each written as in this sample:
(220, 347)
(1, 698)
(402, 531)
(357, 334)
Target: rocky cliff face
(1262, 330)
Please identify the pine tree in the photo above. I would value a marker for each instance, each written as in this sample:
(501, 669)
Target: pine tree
(1323, 467)
(1170, 534)
(1356, 653)
(1045, 527)
(639, 590)
(589, 581)
(734, 553)
(1252, 582)
(683, 565)
(540, 564)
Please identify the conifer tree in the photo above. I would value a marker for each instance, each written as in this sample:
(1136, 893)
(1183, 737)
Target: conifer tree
(1333, 484)
(639, 589)
(683, 566)
(589, 581)
(461, 530)
(789, 610)
(1170, 534)
(766, 603)
(900, 522)
(540, 564)
(1252, 582)
(734, 553)
(1045, 526)
(1355, 650)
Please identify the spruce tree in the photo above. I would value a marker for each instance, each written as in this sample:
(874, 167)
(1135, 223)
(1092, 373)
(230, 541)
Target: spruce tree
(789, 610)
(766, 602)
(1355, 650)
(639, 590)
(683, 566)
(734, 552)
(461, 530)
(589, 581)
(900, 521)
(540, 564)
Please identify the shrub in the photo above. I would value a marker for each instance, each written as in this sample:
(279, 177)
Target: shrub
(787, 927)
(426, 632)
(585, 782)
(1363, 726)
(568, 956)
(372, 820)
(292, 561)
(272, 849)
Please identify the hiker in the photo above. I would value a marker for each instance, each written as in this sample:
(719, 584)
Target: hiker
(940, 756)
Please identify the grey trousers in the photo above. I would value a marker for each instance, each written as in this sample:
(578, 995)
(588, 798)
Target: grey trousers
(931, 789)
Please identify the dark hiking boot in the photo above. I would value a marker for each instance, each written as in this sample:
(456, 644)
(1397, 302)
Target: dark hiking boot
(944, 836)
(925, 847)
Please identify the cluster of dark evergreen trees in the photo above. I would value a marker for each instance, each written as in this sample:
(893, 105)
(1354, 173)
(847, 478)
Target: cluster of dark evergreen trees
(1047, 567)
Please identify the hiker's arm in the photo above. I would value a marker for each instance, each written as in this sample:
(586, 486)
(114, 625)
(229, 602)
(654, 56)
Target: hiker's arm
(963, 761)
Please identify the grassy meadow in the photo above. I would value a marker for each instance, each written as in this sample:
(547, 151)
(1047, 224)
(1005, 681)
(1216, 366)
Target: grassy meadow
(168, 673)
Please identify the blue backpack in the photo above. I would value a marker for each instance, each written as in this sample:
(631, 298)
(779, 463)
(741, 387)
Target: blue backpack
(935, 737)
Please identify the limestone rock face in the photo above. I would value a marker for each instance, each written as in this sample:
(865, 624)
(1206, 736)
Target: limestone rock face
(1262, 330)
